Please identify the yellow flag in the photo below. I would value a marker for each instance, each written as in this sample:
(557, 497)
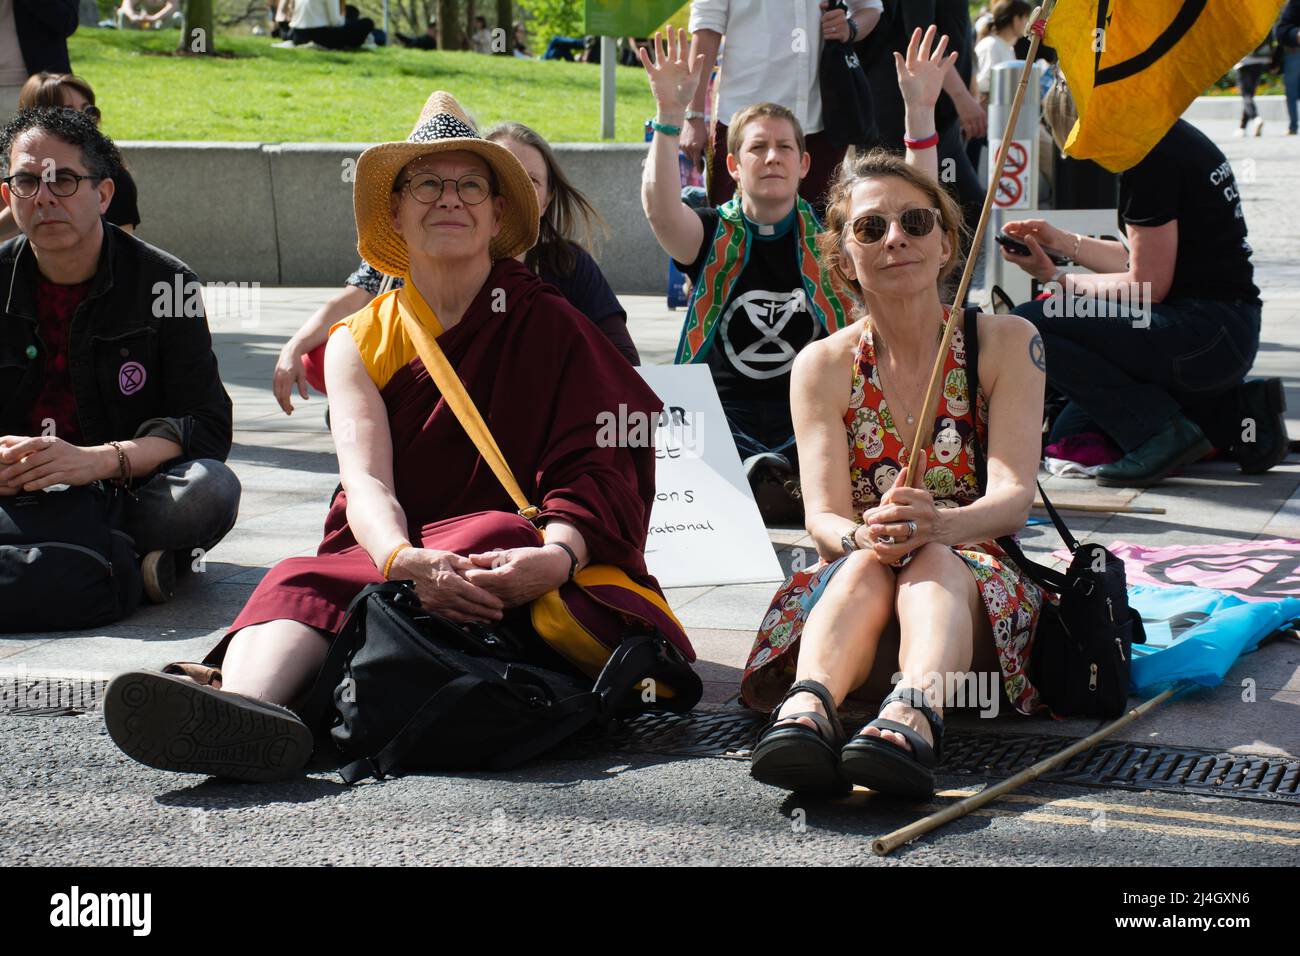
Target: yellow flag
(1133, 66)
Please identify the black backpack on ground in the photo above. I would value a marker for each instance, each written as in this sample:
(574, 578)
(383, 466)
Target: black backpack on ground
(1083, 645)
(404, 690)
(65, 562)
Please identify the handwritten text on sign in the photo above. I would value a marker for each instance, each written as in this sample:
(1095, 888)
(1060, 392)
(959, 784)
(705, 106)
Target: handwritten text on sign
(704, 526)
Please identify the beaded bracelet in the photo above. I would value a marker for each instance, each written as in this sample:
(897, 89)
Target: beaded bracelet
(123, 465)
(665, 128)
(388, 565)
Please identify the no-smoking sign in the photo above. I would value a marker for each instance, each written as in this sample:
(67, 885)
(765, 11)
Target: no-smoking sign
(1013, 185)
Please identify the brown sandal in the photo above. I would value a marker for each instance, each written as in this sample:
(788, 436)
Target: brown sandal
(199, 673)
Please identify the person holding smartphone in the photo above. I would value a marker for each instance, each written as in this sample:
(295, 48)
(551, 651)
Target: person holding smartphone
(1153, 347)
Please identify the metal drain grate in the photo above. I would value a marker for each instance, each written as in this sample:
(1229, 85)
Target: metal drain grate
(1110, 764)
(1130, 766)
(688, 735)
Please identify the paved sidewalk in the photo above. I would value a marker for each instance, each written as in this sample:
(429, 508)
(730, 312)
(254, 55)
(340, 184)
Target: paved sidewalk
(288, 470)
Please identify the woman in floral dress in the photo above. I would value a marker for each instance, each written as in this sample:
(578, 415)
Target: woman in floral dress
(910, 582)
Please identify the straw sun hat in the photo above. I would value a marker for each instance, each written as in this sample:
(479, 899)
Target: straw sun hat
(443, 127)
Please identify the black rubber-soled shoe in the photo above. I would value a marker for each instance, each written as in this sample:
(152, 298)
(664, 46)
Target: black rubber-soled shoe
(158, 571)
(1263, 407)
(1180, 443)
(173, 723)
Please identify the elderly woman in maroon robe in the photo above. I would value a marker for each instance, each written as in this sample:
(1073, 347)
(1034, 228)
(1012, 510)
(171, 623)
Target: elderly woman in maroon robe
(448, 211)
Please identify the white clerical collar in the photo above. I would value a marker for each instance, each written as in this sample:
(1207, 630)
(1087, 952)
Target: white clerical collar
(770, 230)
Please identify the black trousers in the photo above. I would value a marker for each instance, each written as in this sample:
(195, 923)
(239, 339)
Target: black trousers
(347, 37)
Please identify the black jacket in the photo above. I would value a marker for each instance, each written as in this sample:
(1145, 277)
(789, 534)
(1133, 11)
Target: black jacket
(123, 320)
(43, 29)
(1287, 31)
(876, 53)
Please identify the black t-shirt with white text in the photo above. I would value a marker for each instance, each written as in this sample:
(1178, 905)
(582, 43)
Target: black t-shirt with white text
(765, 321)
(1186, 177)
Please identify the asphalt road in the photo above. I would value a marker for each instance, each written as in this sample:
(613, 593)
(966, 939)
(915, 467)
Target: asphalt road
(71, 798)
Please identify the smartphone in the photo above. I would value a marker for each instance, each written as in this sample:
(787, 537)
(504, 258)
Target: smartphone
(1016, 247)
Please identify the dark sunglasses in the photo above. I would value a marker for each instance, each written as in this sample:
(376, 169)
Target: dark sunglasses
(915, 222)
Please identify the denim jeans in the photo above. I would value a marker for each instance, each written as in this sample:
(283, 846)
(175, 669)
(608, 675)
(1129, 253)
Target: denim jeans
(1291, 84)
(761, 427)
(1132, 381)
(190, 505)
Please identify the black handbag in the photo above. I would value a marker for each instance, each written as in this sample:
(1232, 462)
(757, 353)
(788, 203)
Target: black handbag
(65, 562)
(848, 114)
(406, 690)
(1082, 646)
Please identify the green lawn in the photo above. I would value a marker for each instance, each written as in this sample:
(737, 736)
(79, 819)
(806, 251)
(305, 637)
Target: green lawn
(269, 95)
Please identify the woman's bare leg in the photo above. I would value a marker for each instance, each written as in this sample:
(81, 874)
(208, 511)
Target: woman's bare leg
(838, 644)
(942, 620)
(273, 661)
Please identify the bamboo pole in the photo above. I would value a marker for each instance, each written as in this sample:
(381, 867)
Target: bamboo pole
(916, 470)
(882, 846)
(1102, 509)
(917, 456)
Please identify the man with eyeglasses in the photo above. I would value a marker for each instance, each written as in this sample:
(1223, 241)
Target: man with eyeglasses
(106, 364)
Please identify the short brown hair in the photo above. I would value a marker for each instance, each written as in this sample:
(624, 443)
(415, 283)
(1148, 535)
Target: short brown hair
(46, 90)
(877, 164)
(736, 131)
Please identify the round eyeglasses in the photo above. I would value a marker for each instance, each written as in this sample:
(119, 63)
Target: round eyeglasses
(63, 185)
(427, 188)
(915, 222)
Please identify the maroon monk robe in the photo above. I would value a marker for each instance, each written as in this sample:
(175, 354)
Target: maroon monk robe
(540, 374)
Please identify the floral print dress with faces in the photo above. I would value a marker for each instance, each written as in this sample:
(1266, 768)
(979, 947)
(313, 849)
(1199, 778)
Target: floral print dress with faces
(877, 454)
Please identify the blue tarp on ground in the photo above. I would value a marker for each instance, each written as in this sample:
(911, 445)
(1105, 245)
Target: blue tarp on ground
(1196, 634)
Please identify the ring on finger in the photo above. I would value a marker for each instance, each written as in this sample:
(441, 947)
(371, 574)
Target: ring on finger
(911, 528)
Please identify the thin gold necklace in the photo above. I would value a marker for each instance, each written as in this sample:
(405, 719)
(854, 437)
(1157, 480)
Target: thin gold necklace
(879, 344)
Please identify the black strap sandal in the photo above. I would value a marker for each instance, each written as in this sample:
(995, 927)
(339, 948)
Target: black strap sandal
(886, 767)
(795, 757)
